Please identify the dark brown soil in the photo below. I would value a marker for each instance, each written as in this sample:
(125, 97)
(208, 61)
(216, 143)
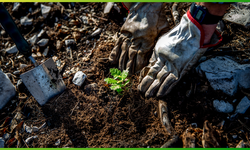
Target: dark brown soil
(99, 117)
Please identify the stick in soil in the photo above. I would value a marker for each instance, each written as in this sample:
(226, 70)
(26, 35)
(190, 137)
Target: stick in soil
(74, 108)
(175, 13)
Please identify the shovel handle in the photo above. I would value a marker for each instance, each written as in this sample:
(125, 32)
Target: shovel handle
(11, 28)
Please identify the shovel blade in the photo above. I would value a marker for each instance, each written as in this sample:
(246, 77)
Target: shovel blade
(44, 81)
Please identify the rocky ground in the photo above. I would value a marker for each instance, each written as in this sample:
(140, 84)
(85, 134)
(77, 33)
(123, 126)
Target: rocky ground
(79, 37)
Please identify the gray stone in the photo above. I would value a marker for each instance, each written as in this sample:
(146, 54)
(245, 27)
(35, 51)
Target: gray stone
(43, 42)
(108, 7)
(1, 143)
(69, 42)
(243, 106)
(22, 66)
(90, 87)
(45, 52)
(79, 78)
(16, 6)
(25, 21)
(33, 40)
(7, 90)
(222, 106)
(85, 19)
(96, 32)
(225, 74)
(45, 10)
(12, 50)
(41, 33)
(239, 14)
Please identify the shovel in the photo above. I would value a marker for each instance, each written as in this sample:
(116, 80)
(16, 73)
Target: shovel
(44, 81)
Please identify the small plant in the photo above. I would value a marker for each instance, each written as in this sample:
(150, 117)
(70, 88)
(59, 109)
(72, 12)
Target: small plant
(119, 81)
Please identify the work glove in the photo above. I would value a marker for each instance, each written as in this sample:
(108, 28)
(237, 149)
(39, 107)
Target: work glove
(174, 54)
(135, 45)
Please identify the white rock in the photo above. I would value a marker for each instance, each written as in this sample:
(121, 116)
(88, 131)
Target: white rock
(39, 54)
(43, 42)
(7, 89)
(239, 15)
(33, 40)
(222, 106)
(16, 72)
(16, 6)
(108, 7)
(25, 21)
(45, 10)
(225, 74)
(243, 106)
(85, 19)
(45, 52)
(96, 32)
(58, 142)
(28, 129)
(69, 42)
(1, 143)
(12, 50)
(41, 33)
(33, 55)
(28, 140)
(22, 66)
(117, 8)
(79, 78)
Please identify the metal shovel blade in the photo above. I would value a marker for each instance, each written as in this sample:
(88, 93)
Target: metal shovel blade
(44, 81)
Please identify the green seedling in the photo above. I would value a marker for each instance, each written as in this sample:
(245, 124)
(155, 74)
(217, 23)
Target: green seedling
(119, 80)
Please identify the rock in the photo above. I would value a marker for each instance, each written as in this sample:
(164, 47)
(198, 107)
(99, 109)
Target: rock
(33, 40)
(85, 19)
(222, 106)
(45, 10)
(22, 66)
(45, 52)
(239, 15)
(243, 106)
(58, 142)
(39, 54)
(33, 55)
(28, 140)
(117, 8)
(79, 78)
(108, 7)
(7, 90)
(16, 6)
(90, 87)
(43, 42)
(12, 50)
(25, 21)
(225, 74)
(41, 33)
(70, 42)
(1, 143)
(58, 44)
(16, 72)
(220, 26)
(96, 32)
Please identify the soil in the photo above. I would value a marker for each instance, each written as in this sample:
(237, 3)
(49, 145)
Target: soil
(95, 116)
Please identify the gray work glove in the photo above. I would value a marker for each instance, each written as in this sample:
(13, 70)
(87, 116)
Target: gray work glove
(174, 55)
(135, 44)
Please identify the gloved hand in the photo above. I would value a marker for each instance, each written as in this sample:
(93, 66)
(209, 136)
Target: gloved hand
(174, 55)
(135, 44)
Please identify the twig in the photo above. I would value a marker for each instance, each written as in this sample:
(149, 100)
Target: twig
(244, 125)
(74, 108)
(100, 18)
(175, 13)
(116, 108)
(25, 143)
